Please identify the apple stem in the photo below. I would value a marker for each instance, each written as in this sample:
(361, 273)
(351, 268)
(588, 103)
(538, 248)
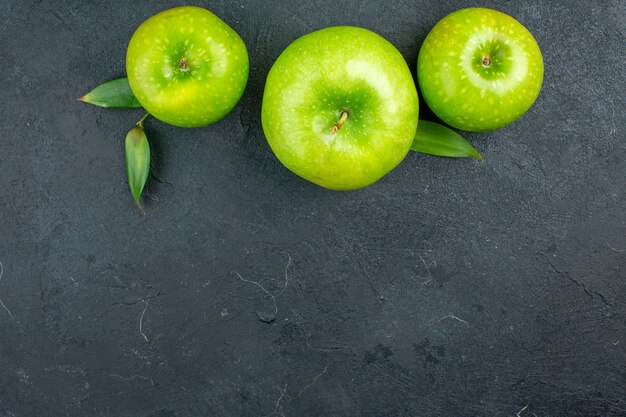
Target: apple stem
(486, 60)
(140, 122)
(339, 124)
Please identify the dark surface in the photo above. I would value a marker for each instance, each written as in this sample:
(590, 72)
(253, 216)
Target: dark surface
(449, 288)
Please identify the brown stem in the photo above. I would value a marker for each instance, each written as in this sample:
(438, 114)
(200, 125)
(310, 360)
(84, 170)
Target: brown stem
(339, 124)
(486, 60)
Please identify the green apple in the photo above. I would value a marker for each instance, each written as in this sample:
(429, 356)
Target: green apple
(187, 67)
(340, 107)
(479, 69)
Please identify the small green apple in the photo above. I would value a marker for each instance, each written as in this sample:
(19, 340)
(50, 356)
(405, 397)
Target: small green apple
(187, 67)
(479, 69)
(340, 107)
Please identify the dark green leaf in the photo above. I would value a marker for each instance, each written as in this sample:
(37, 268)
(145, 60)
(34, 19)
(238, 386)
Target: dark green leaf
(434, 139)
(137, 161)
(113, 94)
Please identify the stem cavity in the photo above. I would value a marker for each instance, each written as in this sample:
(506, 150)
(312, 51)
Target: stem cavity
(339, 124)
(183, 65)
(486, 61)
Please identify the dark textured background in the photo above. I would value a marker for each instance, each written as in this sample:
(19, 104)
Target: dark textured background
(449, 288)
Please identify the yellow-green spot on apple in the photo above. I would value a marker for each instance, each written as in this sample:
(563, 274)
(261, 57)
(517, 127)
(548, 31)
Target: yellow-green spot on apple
(479, 69)
(187, 67)
(340, 107)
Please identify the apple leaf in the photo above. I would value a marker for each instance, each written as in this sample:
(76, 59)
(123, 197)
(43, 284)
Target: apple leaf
(114, 94)
(435, 139)
(137, 161)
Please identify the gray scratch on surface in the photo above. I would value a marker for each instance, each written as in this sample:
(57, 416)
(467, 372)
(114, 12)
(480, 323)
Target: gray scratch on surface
(68, 369)
(143, 313)
(74, 281)
(615, 249)
(263, 317)
(303, 390)
(575, 281)
(381, 297)
(282, 395)
(130, 378)
(430, 276)
(519, 413)
(286, 275)
(264, 290)
(2, 302)
(451, 317)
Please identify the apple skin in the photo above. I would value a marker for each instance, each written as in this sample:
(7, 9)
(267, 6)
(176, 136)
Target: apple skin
(471, 93)
(187, 67)
(319, 76)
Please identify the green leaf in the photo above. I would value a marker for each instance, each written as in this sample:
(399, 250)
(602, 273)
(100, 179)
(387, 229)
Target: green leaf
(114, 94)
(435, 139)
(137, 161)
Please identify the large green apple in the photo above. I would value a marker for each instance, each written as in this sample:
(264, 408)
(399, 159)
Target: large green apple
(187, 67)
(340, 107)
(479, 69)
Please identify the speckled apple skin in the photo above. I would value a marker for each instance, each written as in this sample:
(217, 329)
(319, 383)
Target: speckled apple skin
(217, 62)
(467, 95)
(324, 73)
